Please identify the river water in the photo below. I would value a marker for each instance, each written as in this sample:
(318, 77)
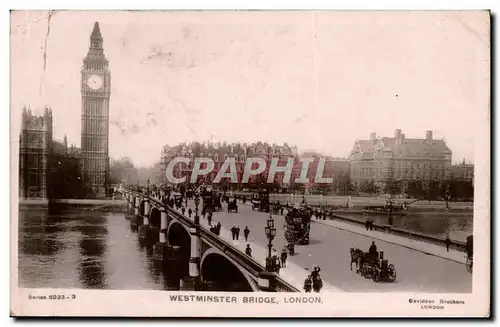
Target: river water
(75, 248)
(457, 226)
(85, 250)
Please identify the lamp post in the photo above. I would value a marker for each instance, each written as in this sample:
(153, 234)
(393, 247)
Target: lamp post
(147, 188)
(390, 212)
(270, 231)
(196, 203)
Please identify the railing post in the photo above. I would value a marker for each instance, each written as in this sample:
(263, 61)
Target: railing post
(267, 281)
(143, 229)
(162, 251)
(194, 260)
(163, 226)
(193, 282)
(134, 218)
(137, 204)
(147, 209)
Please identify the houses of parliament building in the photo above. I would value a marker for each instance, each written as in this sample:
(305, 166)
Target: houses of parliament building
(51, 169)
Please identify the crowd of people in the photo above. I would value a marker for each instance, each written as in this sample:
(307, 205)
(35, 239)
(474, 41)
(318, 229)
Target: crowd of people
(178, 199)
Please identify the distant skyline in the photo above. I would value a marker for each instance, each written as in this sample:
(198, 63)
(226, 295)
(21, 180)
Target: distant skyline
(317, 80)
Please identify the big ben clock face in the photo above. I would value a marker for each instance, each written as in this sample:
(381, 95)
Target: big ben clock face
(94, 82)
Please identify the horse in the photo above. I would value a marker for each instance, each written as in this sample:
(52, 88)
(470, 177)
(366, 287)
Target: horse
(356, 257)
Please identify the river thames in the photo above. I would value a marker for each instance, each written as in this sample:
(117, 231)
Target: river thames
(85, 250)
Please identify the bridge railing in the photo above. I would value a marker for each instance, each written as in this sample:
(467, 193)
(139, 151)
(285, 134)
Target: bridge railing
(248, 263)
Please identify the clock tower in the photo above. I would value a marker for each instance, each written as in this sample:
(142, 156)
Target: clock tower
(95, 90)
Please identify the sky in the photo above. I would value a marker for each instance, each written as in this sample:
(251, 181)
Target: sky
(317, 80)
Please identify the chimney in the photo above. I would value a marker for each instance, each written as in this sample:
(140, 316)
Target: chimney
(397, 134)
(402, 138)
(428, 136)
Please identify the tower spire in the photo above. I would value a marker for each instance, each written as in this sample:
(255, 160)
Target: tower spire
(96, 37)
(96, 32)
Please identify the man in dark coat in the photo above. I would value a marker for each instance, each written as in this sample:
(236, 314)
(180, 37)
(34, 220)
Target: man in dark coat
(284, 256)
(233, 232)
(248, 250)
(372, 252)
(447, 241)
(246, 232)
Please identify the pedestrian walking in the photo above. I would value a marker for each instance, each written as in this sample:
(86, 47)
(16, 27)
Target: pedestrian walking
(308, 284)
(233, 232)
(248, 250)
(317, 284)
(209, 218)
(183, 210)
(237, 233)
(447, 241)
(190, 212)
(246, 232)
(367, 224)
(284, 256)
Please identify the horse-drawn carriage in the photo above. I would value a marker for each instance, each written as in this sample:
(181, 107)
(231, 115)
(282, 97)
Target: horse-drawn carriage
(298, 225)
(211, 202)
(232, 206)
(260, 201)
(373, 266)
(276, 209)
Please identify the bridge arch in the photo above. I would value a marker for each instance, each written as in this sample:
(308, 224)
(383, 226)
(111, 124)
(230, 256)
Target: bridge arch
(219, 268)
(178, 235)
(142, 204)
(155, 217)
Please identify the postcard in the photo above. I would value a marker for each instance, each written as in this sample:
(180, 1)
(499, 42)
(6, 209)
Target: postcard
(250, 163)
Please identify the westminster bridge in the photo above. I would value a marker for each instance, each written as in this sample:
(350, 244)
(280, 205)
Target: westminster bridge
(203, 260)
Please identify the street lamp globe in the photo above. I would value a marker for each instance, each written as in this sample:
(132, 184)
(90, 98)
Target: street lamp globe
(270, 222)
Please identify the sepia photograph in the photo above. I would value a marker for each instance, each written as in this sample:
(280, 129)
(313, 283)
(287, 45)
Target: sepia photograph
(282, 163)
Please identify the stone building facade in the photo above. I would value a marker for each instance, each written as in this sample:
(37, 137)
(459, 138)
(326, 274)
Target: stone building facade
(95, 92)
(336, 168)
(462, 172)
(398, 158)
(220, 152)
(34, 151)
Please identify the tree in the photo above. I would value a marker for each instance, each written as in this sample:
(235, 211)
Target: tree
(122, 170)
(64, 179)
(368, 187)
(393, 187)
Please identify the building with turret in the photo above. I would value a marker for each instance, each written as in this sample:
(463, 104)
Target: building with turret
(34, 151)
(48, 168)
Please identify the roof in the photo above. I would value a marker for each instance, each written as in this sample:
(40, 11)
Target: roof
(96, 32)
(58, 147)
(408, 147)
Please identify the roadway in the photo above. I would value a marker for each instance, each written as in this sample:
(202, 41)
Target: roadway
(329, 248)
